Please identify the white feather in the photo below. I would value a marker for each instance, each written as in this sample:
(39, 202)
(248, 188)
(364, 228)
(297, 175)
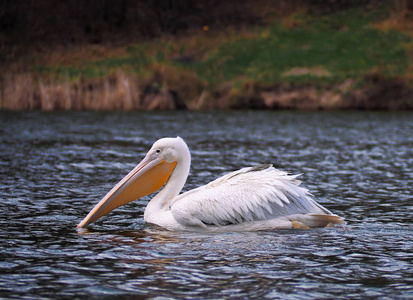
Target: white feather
(275, 194)
(252, 198)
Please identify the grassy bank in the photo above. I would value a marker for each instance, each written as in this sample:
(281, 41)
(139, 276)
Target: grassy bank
(343, 59)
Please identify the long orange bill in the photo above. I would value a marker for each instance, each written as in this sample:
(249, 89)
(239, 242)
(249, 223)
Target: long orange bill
(147, 177)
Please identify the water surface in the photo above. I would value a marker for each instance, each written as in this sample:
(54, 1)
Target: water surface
(54, 167)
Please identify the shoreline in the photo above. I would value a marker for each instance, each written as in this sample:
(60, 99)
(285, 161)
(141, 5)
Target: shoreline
(122, 92)
(291, 56)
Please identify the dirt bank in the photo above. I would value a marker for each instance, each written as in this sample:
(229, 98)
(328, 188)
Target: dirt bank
(374, 93)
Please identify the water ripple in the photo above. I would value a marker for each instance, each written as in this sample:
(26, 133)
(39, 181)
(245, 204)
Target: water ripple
(54, 167)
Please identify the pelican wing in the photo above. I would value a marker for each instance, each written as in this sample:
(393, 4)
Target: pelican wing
(249, 194)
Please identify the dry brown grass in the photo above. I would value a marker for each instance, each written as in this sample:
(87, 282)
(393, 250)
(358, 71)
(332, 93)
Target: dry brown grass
(118, 91)
(18, 92)
(64, 56)
(400, 19)
(26, 92)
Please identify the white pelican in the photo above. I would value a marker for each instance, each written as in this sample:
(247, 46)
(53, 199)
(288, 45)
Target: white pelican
(250, 199)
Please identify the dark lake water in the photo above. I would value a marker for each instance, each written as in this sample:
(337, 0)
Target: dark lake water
(54, 167)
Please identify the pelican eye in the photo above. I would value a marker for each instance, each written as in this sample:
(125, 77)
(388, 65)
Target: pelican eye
(158, 150)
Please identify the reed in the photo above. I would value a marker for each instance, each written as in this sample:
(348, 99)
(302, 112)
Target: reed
(121, 91)
(118, 91)
(115, 92)
(18, 92)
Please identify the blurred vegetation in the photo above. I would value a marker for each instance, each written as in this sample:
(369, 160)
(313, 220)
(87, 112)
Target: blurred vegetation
(209, 43)
(316, 44)
(341, 45)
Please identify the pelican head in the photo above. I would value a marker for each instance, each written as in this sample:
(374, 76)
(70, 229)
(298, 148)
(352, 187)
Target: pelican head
(170, 149)
(147, 177)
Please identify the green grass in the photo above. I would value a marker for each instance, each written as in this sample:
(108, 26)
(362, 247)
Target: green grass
(348, 52)
(345, 45)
